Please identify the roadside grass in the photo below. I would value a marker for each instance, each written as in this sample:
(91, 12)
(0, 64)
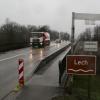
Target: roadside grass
(80, 85)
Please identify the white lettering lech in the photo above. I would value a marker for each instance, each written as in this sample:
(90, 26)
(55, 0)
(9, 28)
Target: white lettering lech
(80, 62)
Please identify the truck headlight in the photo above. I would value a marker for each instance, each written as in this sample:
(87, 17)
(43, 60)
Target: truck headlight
(41, 43)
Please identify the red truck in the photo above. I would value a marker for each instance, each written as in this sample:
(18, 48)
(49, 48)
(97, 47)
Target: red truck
(40, 39)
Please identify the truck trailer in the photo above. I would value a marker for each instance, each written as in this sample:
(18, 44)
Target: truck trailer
(40, 39)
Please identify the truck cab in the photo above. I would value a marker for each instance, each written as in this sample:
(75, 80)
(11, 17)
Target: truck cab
(40, 39)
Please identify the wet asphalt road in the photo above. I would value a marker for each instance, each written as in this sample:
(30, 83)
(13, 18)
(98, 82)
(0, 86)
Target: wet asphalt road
(9, 64)
(43, 85)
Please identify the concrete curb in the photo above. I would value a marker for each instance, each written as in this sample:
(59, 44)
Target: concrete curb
(49, 58)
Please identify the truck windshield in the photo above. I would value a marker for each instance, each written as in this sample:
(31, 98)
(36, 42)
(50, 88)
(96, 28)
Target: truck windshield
(36, 34)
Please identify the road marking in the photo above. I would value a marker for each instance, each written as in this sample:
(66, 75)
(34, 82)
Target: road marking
(18, 55)
(13, 56)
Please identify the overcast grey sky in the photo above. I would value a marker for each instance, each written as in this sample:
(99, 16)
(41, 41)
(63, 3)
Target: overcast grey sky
(55, 13)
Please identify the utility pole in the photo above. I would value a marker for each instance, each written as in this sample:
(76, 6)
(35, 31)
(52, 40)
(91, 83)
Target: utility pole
(72, 34)
(60, 37)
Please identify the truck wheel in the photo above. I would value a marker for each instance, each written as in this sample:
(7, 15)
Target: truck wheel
(41, 46)
(49, 43)
(32, 46)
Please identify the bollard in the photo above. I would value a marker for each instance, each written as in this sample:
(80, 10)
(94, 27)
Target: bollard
(21, 72)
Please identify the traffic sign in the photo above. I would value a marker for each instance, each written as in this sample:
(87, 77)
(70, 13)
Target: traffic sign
(81, 64)
(91, 46)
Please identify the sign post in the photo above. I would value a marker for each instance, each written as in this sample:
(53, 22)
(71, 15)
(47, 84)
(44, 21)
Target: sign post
(82, 65)
(89, 87)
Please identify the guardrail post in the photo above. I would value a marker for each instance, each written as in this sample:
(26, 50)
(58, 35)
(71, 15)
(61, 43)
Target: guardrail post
(21, 72)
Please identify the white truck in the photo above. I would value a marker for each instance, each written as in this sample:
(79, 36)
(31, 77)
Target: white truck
(40, 39)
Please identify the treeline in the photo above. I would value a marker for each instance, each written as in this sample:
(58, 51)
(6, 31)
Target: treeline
(89, 35)
(14, 35)
(53, 33)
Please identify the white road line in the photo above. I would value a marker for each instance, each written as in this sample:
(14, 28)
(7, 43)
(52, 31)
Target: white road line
(13, 56)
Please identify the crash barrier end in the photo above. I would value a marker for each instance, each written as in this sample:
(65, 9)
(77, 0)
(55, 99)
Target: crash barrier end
(21, 72)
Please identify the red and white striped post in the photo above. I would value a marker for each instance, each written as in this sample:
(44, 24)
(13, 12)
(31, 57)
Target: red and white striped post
(21, 72)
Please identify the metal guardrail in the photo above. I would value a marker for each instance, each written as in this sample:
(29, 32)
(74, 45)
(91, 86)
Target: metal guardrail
(65, 80)
(49, 58)
(63, 76)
